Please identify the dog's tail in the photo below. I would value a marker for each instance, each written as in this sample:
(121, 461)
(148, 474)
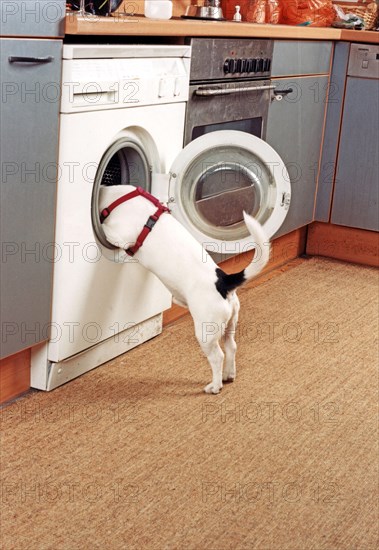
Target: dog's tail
(226, 283)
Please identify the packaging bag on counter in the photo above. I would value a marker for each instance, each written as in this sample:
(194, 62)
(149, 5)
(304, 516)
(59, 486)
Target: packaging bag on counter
(253, 11)
(354, 16)
(315, 13)
(264, 11)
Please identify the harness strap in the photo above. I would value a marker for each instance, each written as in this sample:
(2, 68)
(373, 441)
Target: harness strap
(152, 220)
(138, 192)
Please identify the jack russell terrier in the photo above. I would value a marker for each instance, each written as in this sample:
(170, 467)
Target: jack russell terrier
(131, 216)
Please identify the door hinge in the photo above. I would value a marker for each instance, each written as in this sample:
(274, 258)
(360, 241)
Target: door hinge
(286, 200)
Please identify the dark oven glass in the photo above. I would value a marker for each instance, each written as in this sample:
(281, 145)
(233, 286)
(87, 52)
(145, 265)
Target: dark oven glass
(250, 125)
(237, 108)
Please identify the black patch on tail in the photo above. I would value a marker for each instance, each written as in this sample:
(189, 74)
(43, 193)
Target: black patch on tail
(225, 283)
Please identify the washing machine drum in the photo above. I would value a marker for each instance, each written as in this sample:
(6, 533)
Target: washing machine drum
(124, 163)
(221, 174)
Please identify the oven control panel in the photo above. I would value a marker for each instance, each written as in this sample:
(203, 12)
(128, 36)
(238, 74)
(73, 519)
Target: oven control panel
(248, 66)
(218, 59)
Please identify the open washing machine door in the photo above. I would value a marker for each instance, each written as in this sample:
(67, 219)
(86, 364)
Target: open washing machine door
(218, 176)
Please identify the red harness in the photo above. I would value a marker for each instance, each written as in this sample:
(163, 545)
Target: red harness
(152, 220)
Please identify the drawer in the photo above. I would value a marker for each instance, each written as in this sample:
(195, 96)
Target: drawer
(32, 18)
(295, 57)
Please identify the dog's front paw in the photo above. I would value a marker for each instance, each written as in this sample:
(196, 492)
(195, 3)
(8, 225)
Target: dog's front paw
(212, 388)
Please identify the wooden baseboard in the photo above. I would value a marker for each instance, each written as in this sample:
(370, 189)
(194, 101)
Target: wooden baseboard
(283, 250)
(343, 243)
(14, 375)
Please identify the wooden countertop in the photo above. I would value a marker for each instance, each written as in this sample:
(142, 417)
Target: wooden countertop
(138, 25)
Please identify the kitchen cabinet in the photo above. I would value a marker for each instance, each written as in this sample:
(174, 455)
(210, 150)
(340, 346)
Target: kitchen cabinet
(32, 18)
(30, 77)
(348, 186)
(295, 123)
(356, 187)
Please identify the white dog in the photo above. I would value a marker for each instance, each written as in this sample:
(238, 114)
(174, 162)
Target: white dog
(186, 269)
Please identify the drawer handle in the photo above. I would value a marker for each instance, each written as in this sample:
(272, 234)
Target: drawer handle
(22, 59)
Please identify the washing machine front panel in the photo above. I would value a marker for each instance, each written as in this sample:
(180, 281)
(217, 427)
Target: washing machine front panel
(95, 298)
(217, 177)
(101, 84)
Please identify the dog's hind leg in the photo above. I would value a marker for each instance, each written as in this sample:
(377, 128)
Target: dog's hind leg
(229, 373)
(209, 343)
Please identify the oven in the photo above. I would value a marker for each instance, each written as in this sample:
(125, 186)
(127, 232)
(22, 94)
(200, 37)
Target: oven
(230, 86)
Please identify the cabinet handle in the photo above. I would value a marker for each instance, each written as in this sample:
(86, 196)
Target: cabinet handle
(22, 59)
(278, 94)
(283, 92)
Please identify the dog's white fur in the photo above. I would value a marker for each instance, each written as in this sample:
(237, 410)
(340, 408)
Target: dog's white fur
(188, 271)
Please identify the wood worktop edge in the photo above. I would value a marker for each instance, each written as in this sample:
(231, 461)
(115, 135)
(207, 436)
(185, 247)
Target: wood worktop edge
(138, 25)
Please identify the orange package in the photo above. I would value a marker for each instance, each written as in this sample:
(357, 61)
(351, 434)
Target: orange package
(263, 11)
(317, 13)
(253, 11)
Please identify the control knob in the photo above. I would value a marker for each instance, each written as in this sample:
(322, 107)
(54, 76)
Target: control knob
(229, 66)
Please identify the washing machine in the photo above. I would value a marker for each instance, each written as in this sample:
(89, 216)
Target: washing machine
(122, 121)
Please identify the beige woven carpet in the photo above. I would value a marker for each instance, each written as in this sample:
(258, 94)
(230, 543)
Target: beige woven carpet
(134, 456)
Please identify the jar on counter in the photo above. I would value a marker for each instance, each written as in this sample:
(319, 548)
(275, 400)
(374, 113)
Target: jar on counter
(158, 9)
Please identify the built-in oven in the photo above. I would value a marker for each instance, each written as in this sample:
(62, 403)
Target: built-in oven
(230, 86)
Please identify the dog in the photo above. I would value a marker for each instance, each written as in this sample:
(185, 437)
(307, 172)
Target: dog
(187, 270)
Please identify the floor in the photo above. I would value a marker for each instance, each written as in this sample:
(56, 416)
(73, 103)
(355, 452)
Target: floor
(134, 455)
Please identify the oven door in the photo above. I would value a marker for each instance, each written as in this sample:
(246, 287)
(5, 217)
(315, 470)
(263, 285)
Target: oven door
(241, 106)
(218, 176)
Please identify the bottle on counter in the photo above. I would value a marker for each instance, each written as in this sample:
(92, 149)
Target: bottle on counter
(158, 9)
(237, 16)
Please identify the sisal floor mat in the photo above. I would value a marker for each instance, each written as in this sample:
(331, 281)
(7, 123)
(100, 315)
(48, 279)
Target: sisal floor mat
(133, 455)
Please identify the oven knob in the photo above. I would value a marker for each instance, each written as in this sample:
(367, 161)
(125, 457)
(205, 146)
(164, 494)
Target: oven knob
(267, 65)
(227, 66)
(232, 65)
(249, 65)
(254, 65)
(243, 65)
(239, 66)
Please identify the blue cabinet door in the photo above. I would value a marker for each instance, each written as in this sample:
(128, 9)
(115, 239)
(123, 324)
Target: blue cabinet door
(29, 110)
(38, 18)
(356, 188)
(294, 130)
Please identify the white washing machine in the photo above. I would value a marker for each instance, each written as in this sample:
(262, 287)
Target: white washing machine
(122, 122)
(122, 118)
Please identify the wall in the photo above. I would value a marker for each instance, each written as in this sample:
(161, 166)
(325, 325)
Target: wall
(137, 6)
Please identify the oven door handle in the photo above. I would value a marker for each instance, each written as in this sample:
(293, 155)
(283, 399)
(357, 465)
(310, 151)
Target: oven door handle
(210, 92)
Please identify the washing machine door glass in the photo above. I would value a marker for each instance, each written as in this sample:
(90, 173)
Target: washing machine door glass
(221, 174)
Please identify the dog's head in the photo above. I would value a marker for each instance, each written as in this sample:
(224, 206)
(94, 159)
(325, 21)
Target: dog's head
(110, 193)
